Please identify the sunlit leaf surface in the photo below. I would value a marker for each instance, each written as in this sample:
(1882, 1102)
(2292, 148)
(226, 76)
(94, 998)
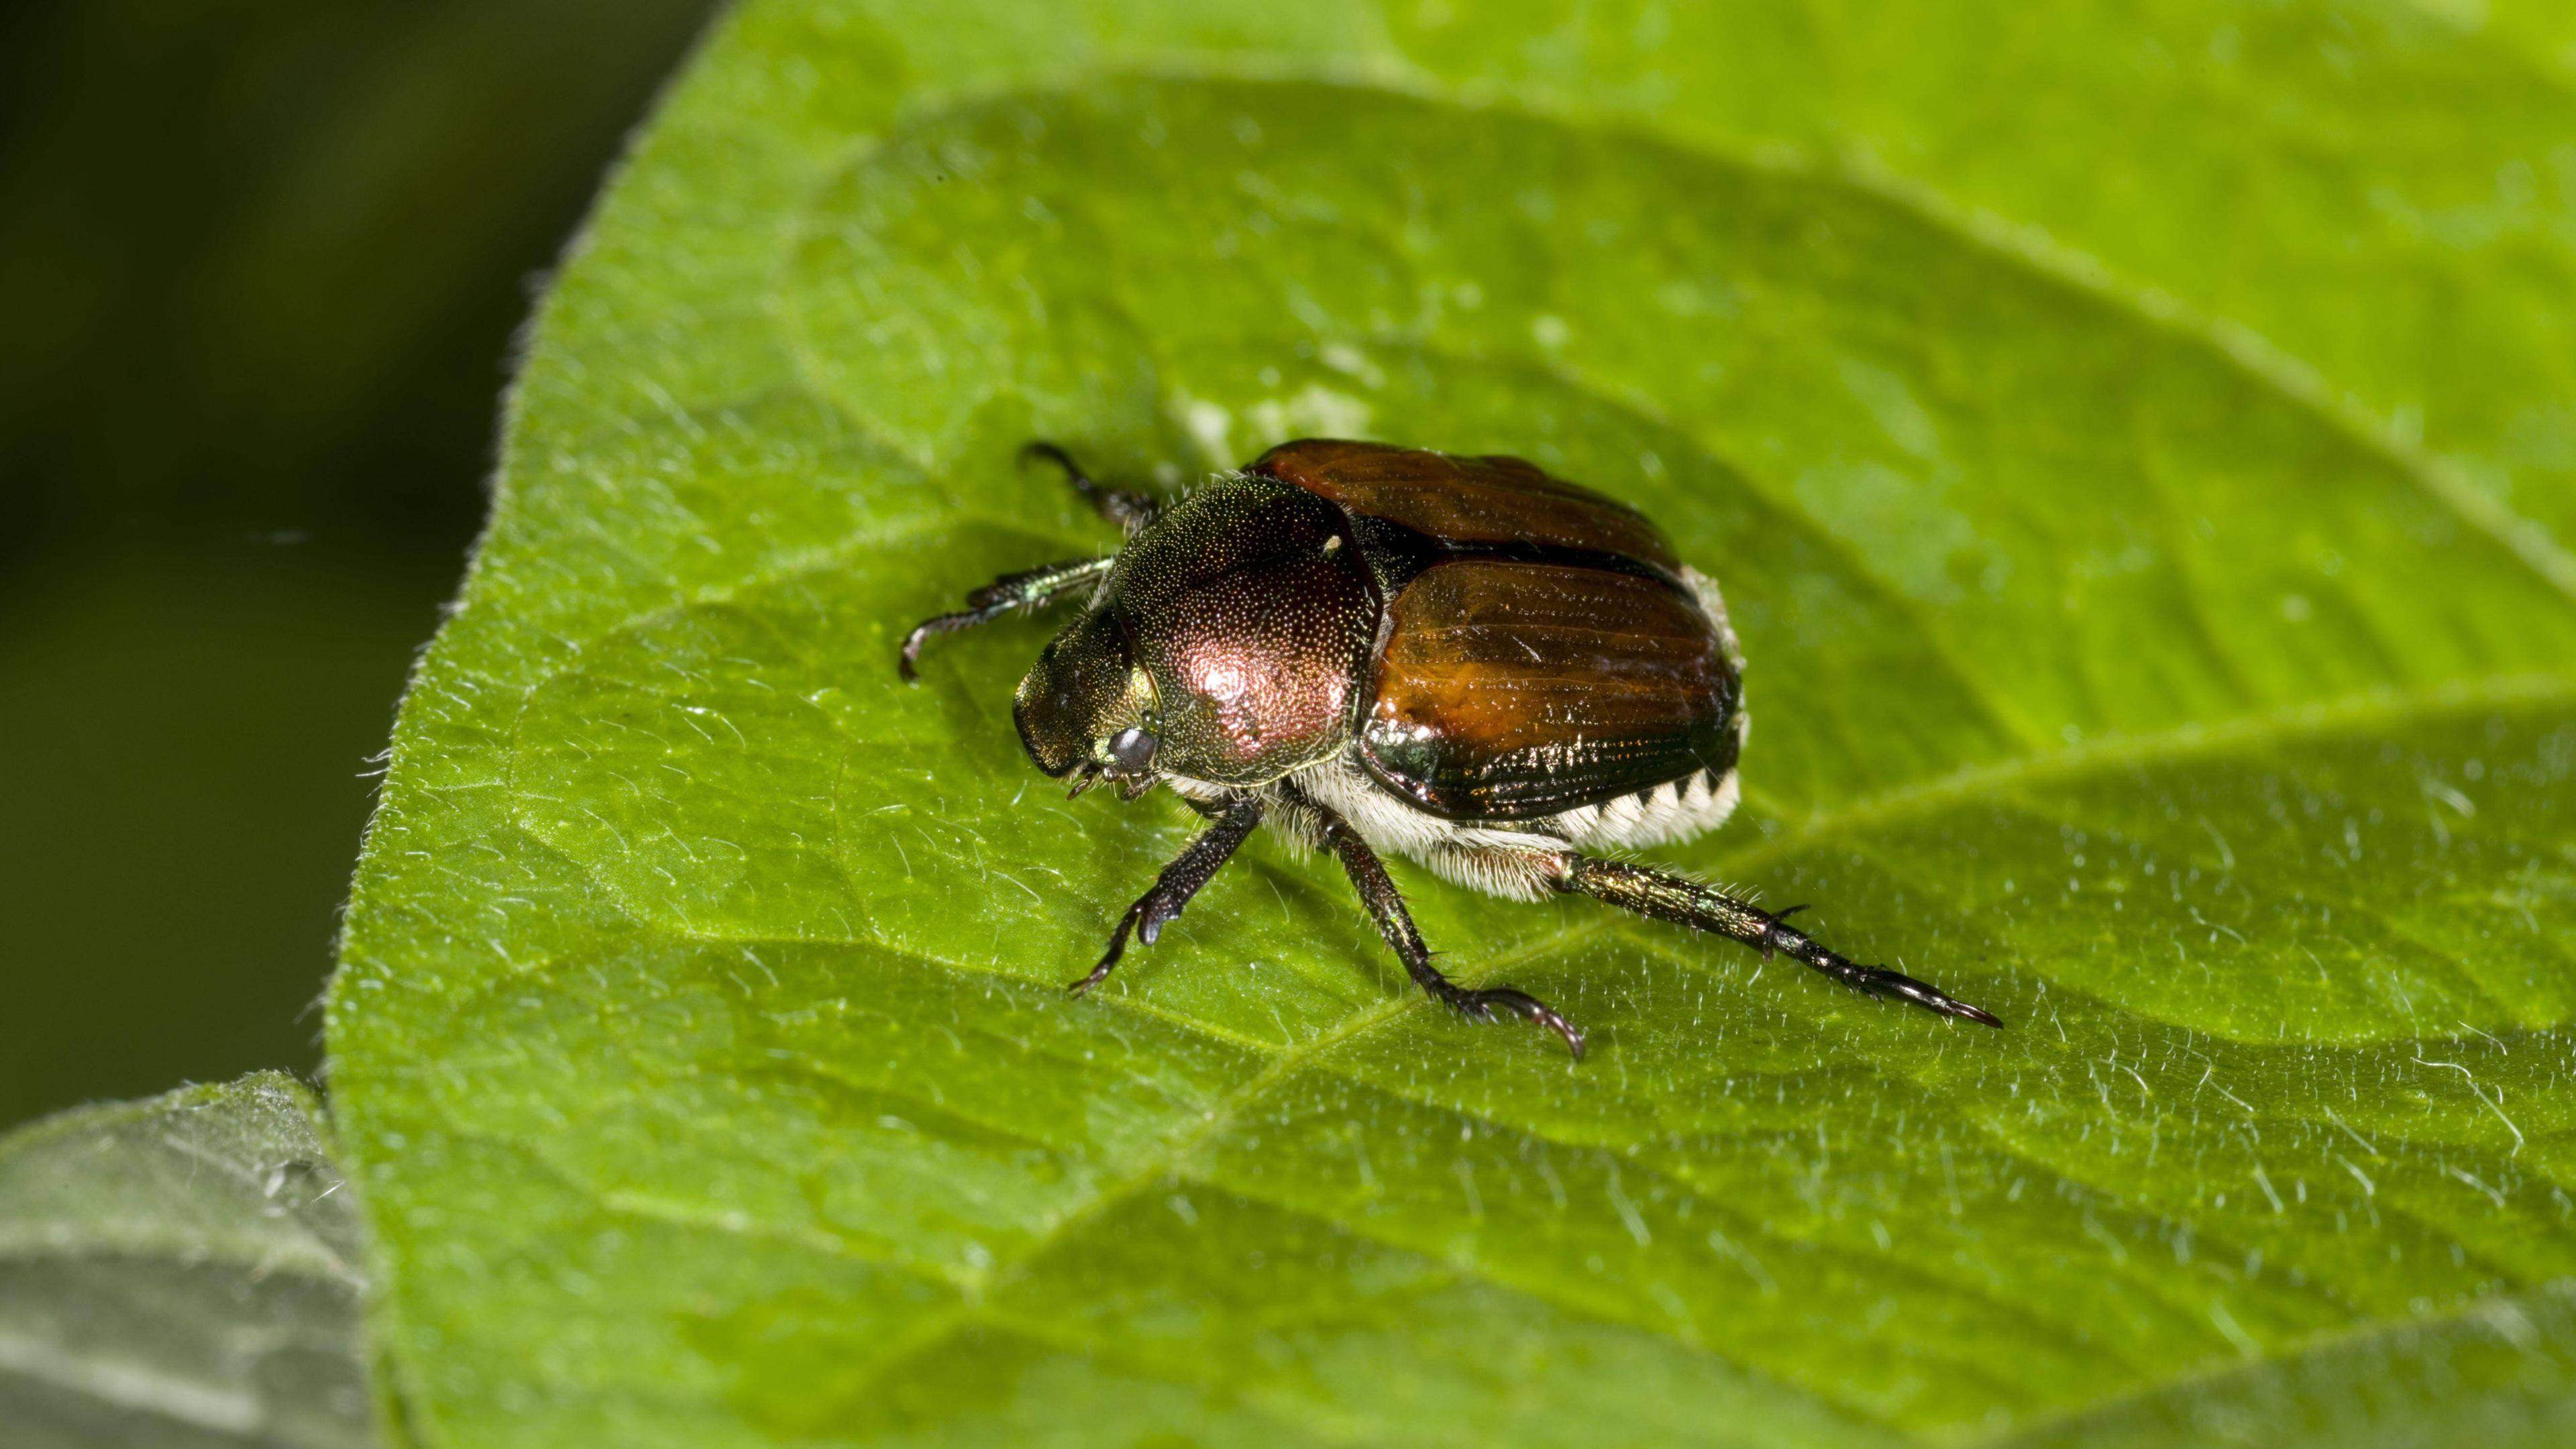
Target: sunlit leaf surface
(2156, 637)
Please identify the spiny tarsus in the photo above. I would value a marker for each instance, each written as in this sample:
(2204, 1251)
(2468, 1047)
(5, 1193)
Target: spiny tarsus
(1665, 896)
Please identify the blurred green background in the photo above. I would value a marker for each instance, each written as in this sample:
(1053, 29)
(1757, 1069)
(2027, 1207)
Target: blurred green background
(260, 268)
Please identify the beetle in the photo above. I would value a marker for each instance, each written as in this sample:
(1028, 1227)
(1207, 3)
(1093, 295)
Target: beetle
(1376, 649)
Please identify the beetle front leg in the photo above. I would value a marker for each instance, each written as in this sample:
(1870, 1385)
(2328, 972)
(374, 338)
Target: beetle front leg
(1669, 897)
(1395, 923)
(1032, 589)
(1198, 863)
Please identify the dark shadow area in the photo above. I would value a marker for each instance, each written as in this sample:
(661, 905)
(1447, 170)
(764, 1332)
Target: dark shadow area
(260, 265)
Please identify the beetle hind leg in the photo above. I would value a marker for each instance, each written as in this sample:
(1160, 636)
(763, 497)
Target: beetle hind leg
(1669, 897)
(1386, 906)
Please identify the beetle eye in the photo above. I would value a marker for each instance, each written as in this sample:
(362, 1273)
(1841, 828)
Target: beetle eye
(1131, 751)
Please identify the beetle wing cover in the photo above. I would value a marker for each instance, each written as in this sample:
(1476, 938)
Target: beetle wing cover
(1511, 690)
(1467, 501)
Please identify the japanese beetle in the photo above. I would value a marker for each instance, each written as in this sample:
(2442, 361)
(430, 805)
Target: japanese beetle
(1457, 659)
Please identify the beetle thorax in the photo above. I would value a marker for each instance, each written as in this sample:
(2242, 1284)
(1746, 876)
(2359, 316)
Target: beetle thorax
(1235, 629)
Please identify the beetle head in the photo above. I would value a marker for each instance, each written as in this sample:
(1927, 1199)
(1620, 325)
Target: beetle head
(1085, 711)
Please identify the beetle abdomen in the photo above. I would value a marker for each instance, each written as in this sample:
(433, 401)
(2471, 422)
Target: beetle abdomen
(1506, 690)
(1673, 811)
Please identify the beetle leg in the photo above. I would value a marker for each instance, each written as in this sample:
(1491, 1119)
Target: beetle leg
(1385, 904)
(1130, 511)
(1031, 589)
(1669, 897)
(1198, 862)
(1782, 914)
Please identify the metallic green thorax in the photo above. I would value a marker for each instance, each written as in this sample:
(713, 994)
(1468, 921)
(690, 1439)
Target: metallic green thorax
(1235, 628)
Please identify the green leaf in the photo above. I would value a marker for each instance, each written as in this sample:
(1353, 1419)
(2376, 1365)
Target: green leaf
(2136, 651)
(181, 1271)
